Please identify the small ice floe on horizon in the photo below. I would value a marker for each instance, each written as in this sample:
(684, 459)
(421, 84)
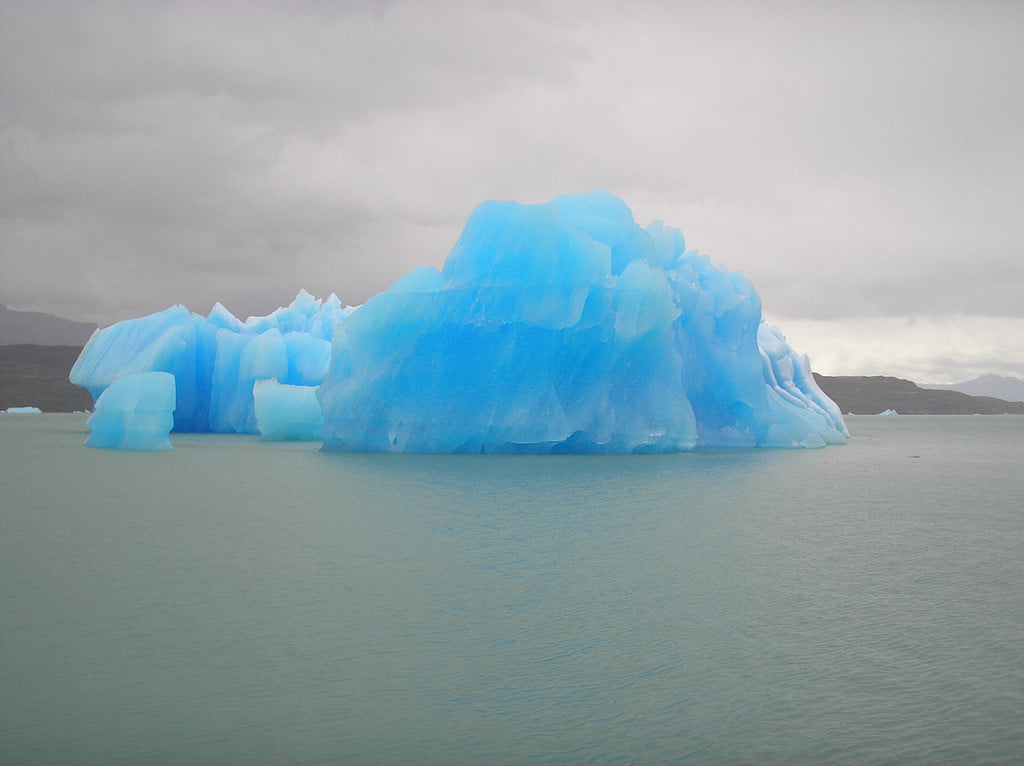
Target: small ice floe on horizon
(23, 411)
(888, 412)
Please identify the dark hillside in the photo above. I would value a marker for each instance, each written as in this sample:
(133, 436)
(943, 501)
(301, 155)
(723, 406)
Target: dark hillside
(37, 376)
(871, 395)
(24, 327)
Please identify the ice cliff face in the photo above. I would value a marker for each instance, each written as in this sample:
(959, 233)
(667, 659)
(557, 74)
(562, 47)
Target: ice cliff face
(560, 327)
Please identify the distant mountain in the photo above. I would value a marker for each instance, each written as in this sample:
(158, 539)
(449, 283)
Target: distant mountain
(871, 395)
(17, 327)
(1010, 389)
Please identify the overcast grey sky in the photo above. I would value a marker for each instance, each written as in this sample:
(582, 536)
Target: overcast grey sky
(862, 163)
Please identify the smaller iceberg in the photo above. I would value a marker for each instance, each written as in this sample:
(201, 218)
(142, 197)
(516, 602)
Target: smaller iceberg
(888, 412)
(287, 413)
(216, 360)
(23, 411)
(134, 412)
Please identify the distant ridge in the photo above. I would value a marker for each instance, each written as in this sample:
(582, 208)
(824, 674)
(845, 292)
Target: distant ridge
(858, 395)
(999, 386)
(37, 376)
(36, 328)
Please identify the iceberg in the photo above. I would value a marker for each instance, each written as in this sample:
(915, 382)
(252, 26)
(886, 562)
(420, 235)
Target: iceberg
(23, 411)
(215, 360)
(134, 412)
(560, 327)
(566, 327)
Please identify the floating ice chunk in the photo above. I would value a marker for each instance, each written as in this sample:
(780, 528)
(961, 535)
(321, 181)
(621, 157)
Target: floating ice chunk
(215, 360)
(23, 411)
(174, 341)
(565, 327)
(800, 413)
(888, 412)
(287, 413)
(134, 412)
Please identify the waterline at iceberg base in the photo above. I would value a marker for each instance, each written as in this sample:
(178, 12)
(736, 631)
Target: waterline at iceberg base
(561, 327)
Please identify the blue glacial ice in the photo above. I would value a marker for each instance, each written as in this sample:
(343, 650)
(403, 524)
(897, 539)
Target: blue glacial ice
(134, 412)
(551, 328)
(565, 327)
(215, 360)
(287, 413)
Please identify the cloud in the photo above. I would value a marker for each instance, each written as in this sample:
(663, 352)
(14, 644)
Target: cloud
(200, 142)
(854, 162)
(924, 349)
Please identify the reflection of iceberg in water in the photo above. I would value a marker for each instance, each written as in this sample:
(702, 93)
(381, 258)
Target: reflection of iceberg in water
(560, 327)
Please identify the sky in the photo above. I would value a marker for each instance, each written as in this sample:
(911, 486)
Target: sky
(861, 163)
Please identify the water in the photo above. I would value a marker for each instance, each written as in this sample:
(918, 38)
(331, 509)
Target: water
(239, 602)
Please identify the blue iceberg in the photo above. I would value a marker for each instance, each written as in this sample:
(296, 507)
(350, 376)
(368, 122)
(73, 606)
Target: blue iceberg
(566, 327)
(287, 413)
(134, 412)
(215, 360)
(552, 328)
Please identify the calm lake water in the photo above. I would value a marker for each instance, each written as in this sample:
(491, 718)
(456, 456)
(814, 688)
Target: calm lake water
(241, 602)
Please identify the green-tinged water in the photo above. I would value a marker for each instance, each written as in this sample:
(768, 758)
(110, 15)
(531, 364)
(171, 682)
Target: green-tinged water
(240, 602)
